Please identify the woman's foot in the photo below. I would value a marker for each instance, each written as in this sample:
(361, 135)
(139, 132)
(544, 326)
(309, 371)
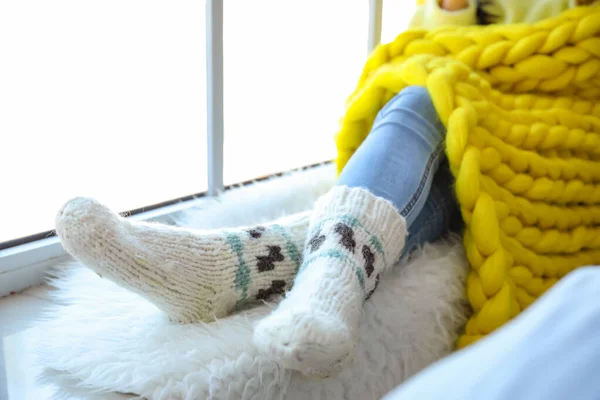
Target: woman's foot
(191, 275)
(354, 237)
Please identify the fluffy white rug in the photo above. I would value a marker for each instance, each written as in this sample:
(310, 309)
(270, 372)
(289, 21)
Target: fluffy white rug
(101, 338)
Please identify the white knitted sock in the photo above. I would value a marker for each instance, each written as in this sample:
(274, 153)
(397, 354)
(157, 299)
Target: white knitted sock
(354, 237)
(191, 275)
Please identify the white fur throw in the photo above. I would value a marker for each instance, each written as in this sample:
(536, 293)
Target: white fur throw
(102, 338)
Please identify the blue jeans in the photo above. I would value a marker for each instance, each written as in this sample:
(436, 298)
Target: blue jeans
(402, 160)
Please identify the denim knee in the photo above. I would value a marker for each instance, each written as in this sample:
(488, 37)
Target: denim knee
(415, 101)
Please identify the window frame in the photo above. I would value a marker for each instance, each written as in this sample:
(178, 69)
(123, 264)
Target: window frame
(24, 262)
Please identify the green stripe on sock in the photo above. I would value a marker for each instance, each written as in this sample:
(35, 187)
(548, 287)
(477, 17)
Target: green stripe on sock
(291, 248)
(242, 275)
(339, 255)
(377, 244)
(352, 222)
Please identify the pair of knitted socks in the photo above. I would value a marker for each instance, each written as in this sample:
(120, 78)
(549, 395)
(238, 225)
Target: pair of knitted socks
(334, 257)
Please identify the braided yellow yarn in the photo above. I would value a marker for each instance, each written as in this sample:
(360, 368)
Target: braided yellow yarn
(522, 111)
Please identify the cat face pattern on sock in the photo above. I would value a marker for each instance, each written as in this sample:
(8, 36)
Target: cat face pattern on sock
(316, 242)
(347, 237)
(257, 232)
(264, 271)
(267, 263)
(277, 287)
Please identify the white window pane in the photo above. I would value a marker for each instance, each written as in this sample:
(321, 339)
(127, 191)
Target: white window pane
(396, 17)
(289, 68)
(99, 98)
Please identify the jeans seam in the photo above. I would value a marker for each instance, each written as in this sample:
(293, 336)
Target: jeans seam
(417, 195)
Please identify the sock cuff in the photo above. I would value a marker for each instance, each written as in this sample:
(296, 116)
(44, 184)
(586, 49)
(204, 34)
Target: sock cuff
(376, 214)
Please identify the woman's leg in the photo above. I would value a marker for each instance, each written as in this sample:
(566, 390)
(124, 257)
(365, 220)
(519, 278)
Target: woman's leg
(357, 231)
(404, 163)
(191, 275)
(550, 351)
(166, 264)
(398, 159)
(439, 216)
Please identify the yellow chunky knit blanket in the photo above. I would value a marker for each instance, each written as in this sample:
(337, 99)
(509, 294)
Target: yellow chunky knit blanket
(522, 112)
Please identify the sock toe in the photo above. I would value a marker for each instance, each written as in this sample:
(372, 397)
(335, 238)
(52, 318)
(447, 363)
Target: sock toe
(84, 208)
(83, 223)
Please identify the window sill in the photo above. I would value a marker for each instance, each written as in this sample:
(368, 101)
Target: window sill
(26, 265)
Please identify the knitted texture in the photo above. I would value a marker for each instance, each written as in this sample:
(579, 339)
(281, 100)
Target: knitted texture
(191, 275)
(354, 237)
(522, 112)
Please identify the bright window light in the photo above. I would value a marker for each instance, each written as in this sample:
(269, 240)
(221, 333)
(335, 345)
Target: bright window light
(289, 68)
(99, 98)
